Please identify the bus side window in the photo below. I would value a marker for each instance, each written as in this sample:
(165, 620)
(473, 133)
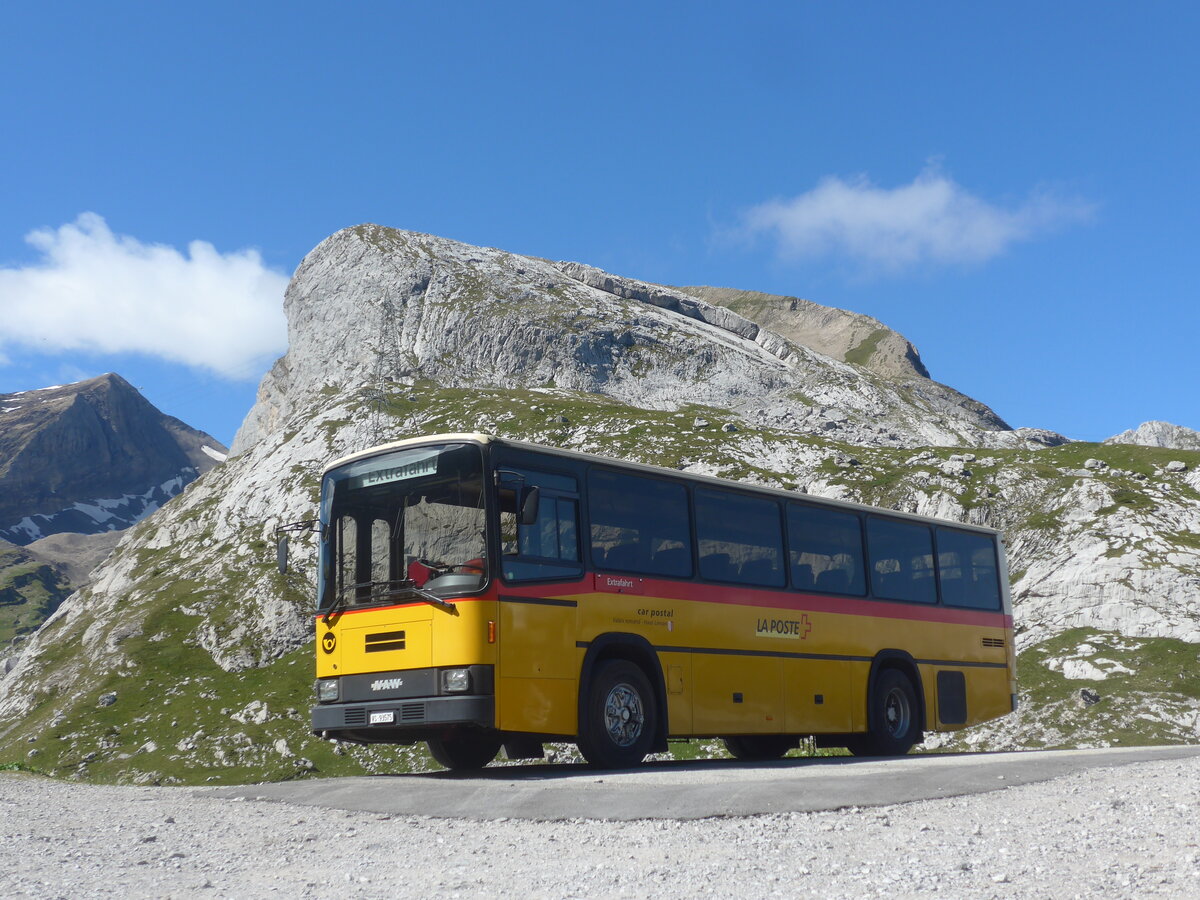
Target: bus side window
(639, 524)
(901, 560)
(825, 549)
(741, 539)
(549, 547)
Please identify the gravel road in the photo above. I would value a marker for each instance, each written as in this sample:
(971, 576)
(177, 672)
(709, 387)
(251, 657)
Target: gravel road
(1129, 831)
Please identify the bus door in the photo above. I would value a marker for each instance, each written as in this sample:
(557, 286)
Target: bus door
(536, 688)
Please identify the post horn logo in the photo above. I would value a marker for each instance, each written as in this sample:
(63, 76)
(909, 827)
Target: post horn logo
(328, 641)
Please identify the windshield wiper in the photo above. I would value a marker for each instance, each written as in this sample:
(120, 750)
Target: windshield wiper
(432, 599)
(399, 588)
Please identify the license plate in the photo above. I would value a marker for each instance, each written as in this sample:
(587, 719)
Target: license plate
(382, 718)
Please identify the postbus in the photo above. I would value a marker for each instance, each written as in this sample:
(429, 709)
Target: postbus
(481, 593)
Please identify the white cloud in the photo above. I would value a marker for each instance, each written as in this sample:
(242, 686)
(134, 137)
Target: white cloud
(96, 291)
(932, 220)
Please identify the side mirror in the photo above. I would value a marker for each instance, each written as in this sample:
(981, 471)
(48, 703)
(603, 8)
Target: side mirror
(530, 497)
(281, 553)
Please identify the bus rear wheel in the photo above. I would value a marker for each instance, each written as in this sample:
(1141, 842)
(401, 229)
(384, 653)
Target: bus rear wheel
(464, 753)
(892, 717)
(751, 747)
(620, 715)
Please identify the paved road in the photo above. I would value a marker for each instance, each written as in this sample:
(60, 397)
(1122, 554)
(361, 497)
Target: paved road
(693, 790)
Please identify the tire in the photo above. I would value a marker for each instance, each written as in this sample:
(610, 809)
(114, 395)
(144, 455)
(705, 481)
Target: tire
(892, 717)
(464, 753)
(752, 747)
(619, 716)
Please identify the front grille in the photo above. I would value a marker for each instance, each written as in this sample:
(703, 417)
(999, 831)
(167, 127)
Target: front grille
(412, 712)
(384, 640)
(356, 715)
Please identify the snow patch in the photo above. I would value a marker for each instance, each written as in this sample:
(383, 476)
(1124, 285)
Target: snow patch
(213, 454)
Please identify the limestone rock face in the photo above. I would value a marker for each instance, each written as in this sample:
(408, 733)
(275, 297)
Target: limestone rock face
(434, 309)
(1159, 434)
(90, 457)
(844, 335)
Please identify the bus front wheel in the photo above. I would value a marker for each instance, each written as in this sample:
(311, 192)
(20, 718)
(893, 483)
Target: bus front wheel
(618, 728)
(464, 753)
(892, 717)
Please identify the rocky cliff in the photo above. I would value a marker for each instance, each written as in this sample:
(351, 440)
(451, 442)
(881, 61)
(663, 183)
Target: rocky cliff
(189, 657)
(374, 304)
(1159, 434)
(841, 334)
(91, 457)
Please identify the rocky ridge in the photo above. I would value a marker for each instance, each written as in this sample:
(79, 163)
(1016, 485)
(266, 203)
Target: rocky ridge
(1159, 434)
(463, 316)
(187, 657)
(838, 333)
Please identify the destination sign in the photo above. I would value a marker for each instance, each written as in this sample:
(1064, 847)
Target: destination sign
(414, 469)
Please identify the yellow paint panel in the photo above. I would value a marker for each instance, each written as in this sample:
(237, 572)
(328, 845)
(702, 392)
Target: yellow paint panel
(539, 705)
(720, 681)
(407, 646)
(804, 680)
(537, 640)
(678, 672)
(431, 638)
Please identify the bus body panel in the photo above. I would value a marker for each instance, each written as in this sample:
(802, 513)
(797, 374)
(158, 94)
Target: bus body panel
(818, 696)
(537, 686)
(677, 676)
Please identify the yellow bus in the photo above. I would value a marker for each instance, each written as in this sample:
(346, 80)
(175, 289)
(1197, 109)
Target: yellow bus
(479, 593)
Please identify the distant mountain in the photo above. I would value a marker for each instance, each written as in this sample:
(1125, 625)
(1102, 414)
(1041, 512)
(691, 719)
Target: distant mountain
(91, 457)
(1159, 434)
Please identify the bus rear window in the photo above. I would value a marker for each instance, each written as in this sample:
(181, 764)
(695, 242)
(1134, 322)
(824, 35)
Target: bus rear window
(967, 569)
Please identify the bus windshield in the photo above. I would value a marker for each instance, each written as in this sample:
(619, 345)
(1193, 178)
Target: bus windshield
(401, 525)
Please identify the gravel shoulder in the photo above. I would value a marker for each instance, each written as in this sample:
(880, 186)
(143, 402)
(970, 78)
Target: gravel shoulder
(1127, 831)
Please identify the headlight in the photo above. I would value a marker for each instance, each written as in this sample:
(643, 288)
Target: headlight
(327, 690)
(456, 680)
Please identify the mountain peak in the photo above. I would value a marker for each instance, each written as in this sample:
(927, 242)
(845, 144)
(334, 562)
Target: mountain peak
(90, 456)
(373, 305)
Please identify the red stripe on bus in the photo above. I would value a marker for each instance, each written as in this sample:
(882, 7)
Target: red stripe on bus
(774, 599)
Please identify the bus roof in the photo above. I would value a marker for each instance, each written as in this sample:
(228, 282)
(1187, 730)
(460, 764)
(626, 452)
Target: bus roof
(484, 439)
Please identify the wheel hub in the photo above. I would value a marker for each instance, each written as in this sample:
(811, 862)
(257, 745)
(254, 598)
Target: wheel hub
(623, 715)
(896, 713)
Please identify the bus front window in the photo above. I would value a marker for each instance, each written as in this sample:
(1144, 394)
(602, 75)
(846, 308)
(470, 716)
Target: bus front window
(409, 519)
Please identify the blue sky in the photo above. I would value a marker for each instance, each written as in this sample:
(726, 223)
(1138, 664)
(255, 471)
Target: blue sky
(1012, 187)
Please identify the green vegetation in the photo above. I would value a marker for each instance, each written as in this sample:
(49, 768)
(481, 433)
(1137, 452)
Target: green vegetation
(861, 355)
(30, 592)
(1139, 691)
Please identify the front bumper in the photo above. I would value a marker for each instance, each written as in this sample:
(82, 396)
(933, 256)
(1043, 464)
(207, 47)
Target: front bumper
(413, 719)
